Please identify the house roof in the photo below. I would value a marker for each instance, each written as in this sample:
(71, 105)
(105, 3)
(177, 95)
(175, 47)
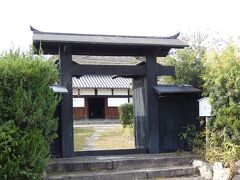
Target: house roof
(174, 89)
(101, 81)
(107, 82)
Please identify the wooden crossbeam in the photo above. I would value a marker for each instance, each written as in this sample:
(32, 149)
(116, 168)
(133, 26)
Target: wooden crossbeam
(81, 69)
(119, 70)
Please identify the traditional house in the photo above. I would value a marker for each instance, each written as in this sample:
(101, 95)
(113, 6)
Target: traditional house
(99, 96)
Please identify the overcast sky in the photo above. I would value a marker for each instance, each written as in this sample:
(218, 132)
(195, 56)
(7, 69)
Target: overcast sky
(120, 17)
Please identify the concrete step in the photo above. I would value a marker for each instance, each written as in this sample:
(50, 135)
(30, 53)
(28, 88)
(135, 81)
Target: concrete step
(146, 173)
(196, 177)
(124, 162)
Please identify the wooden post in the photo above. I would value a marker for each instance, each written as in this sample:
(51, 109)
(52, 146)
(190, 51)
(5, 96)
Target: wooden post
(140, 121)
(146, 107)
(66, 104)
(207, 135)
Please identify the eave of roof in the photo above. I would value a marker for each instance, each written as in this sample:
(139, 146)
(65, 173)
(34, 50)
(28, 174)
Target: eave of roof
(107, 40)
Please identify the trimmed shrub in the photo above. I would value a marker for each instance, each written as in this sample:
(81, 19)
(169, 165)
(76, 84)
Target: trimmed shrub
(23, 154)
(27, 106)
(126, 114)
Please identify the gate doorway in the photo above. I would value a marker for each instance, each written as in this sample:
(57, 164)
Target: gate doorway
(96, 108)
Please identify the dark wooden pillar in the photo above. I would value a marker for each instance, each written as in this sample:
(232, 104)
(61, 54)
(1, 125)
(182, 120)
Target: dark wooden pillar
(146, 107)
(151, 103)
(140, 121)
(66, 103)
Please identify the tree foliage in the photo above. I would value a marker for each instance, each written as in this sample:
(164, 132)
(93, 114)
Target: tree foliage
(222, 86)
(217, 71)
(188, 66)
(189, 62)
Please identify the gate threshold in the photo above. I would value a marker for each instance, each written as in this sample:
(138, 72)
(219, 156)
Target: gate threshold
(110, 152)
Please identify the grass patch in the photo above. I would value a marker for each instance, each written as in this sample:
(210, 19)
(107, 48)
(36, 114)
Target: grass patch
(80, 136)
(116, 138)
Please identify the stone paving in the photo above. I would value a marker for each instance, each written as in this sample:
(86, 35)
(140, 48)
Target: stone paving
(98, 130)
(96, 121)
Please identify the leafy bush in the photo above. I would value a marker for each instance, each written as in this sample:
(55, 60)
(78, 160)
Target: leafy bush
(194, 139)
(126, 114)
(218, 148)
(222, 86)
(221, 148)
(27, 106)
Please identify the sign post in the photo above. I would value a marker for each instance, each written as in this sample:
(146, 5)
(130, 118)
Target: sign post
(205, 110)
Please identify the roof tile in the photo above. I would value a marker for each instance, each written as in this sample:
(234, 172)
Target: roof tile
(101, 81)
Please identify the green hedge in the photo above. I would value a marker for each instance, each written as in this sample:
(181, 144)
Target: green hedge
(27, 106)
(126, 114)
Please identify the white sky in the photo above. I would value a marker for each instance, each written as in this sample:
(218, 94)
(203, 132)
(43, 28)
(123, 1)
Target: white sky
(120, 17)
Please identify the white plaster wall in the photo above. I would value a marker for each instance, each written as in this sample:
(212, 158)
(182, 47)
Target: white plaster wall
(104, 91)
(131, 100)
(78, 102)
(75, 91)
(120, 91)
(115, 102)
(130, 92)
(87, 92)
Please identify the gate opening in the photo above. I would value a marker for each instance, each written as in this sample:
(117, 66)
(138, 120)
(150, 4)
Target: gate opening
(96, 108)
(96, 115)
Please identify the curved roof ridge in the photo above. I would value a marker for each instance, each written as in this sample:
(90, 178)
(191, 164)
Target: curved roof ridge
(175, 36)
